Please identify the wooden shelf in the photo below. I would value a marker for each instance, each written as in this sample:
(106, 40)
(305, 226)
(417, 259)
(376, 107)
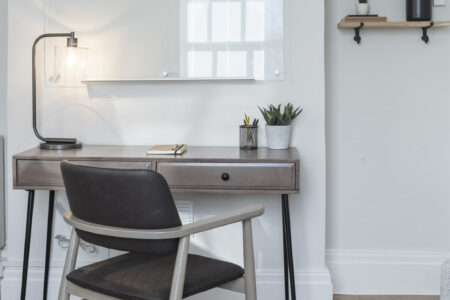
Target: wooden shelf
(158, 80)
(424, 25)
(420, 24)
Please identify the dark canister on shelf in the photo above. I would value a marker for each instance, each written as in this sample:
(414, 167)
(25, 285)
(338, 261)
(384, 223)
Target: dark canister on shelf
(419, 10)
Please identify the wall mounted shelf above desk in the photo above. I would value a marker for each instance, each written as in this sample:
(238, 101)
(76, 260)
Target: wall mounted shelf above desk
(424, 25)
(159, 80)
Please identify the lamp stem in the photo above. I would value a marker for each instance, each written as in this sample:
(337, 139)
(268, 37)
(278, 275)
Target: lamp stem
(34, 94)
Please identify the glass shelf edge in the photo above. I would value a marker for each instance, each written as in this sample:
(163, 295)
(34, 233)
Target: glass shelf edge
(150, 80)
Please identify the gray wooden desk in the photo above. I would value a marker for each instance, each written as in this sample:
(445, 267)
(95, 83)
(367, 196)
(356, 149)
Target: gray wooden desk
(200, 169)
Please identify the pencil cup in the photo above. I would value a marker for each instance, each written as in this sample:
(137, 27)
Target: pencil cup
(248, 137)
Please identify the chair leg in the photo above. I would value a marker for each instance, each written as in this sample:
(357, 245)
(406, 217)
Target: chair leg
(249, 262)
(176, 290)
(69, 266)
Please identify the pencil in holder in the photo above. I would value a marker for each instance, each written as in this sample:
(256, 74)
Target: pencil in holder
(248, 137)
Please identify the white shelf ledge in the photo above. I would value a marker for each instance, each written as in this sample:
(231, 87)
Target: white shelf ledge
(154, 80)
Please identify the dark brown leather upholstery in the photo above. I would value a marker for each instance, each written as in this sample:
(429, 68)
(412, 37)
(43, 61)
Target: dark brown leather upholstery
(121, 198)
(135, 199)
(147, 276)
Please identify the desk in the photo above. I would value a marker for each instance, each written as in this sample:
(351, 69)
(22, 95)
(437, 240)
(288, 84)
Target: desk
(200, 169)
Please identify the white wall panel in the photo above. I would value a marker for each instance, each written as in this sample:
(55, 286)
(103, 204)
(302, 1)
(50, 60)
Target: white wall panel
(192, 113)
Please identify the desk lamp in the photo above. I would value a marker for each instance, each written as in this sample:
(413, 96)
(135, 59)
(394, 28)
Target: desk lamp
(70, 64)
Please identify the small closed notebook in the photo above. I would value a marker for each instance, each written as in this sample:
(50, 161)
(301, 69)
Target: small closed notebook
(167, 149)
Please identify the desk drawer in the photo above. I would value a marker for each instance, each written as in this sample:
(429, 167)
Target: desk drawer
(47, 173)
(239, 176)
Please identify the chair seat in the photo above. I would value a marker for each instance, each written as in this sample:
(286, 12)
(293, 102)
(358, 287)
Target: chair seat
(148, 276)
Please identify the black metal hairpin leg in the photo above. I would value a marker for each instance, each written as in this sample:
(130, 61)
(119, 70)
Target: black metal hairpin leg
(26, 251)
(425, 37)
(285, 256)
(51, 204)
(357, 37)
(288, 244)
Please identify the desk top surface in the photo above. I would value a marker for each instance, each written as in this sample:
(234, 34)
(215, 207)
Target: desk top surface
(139, 153)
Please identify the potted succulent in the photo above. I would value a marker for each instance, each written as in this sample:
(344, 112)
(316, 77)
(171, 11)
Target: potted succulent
(362, 7)
(278, 128)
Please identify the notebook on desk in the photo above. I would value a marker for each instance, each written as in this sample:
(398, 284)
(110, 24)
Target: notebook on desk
(175, 149)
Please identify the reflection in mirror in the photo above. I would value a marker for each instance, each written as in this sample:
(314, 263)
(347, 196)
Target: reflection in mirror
(172, 38)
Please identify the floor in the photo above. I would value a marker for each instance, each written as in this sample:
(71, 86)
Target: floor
(347, 297)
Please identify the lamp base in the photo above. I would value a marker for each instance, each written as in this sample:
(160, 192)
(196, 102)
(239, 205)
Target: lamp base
(59, 146)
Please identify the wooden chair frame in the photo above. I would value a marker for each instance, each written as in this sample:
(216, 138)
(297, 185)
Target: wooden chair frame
(245, 285)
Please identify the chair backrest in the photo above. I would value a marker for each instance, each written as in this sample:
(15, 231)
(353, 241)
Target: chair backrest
(138, 199)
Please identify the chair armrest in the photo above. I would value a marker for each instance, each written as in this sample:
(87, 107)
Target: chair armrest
(169, 233)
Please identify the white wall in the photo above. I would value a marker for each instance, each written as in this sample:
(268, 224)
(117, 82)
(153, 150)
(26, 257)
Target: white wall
(193, 113)
(388, 158)
(3, 73)
(3, 62)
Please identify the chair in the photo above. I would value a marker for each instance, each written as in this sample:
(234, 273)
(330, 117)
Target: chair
(133, 211)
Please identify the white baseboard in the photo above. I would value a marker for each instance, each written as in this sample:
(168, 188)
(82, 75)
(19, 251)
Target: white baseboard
(385, 272)
(311, 285)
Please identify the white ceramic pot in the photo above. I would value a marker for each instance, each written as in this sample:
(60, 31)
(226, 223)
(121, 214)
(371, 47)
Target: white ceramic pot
(278, 136)
(362, 8)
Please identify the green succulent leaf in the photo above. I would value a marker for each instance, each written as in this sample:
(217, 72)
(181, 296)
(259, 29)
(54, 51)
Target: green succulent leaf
(276, 116)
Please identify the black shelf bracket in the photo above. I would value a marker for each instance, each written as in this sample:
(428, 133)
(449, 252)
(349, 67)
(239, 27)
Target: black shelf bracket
(425, 37)
(357, 37)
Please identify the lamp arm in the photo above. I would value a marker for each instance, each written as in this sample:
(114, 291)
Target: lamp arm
(34, 94)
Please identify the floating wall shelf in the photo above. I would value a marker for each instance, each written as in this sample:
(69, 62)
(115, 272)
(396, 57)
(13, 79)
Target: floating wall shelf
(424, 25)
(158, 80)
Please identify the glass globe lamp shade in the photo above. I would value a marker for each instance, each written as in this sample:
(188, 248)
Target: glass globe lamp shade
(70, 66)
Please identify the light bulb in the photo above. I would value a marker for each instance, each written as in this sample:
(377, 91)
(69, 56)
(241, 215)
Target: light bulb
(70, 65)
(71, 57)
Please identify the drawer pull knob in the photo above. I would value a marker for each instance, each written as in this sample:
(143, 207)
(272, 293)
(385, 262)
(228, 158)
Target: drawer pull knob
(225, 176)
